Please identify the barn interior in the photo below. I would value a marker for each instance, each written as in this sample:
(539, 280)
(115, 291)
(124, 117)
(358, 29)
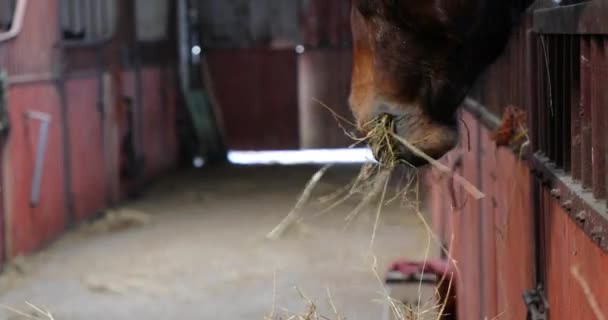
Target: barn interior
(150, 147)
(197, 159)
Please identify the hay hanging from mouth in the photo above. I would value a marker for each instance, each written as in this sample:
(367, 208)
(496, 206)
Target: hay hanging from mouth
(371, 184)
(380, 139)
(385, 145)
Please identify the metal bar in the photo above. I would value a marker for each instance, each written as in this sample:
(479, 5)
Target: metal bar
(63, 11)
(575, 109)
(78, 14)
(532, 75)
(586, 165)
(565, 77)
(45, 120)
(520, 63)
(540, 96)
(93, 37)
(534, 123)
(104, 17)
(558, 101)
(102, 22)
(597, 121)
(603, 103)
(554, 108)
(71, 21)
(92, 23)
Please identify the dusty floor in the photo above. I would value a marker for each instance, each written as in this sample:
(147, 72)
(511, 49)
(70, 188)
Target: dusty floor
(203, 254)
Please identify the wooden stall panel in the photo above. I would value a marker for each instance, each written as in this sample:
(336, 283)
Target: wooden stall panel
(257, 93)
(491, 187)
(158, 122)
(33, 50)
(568, 249)
(510, 204)
(324, 76)
(492, 239)
(440, 211)
(434, 205)
(30, 226)
(89, 179)
(467, 245)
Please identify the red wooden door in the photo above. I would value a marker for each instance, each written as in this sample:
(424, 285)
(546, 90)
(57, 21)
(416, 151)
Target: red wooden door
(257, 91)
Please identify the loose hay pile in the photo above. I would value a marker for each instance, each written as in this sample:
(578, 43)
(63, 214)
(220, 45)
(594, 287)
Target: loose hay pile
(116, 221)
(400, 312)
(372, 184)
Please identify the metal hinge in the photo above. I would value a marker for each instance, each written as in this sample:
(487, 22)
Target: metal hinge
(537, 305)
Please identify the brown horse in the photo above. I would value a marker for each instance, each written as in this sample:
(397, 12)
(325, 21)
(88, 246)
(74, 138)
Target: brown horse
(417, 59)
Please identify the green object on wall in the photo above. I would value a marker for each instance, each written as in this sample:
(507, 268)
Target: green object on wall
(208, 133)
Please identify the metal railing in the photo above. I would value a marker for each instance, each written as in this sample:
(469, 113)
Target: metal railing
(569, 120)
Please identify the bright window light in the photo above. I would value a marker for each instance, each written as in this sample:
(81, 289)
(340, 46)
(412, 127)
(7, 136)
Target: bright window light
(314, 156)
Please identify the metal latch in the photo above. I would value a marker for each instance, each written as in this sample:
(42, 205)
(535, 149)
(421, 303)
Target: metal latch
(537, 304)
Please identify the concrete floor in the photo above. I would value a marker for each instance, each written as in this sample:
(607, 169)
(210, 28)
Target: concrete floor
(203, 254)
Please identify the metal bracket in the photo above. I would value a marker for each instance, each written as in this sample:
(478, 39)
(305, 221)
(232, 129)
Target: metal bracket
(45, 121)
(537, 304)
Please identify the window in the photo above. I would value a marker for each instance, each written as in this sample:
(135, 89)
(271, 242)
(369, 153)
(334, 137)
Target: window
(7, 12)
(152, 18)
(88, 20)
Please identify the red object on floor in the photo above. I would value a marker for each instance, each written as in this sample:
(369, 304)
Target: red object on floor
(444, 273)
(435, 267)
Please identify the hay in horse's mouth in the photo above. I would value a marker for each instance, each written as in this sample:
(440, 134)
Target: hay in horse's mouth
(379, 136)
(386, 145)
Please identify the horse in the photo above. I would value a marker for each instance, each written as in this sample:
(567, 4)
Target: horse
(416, 61)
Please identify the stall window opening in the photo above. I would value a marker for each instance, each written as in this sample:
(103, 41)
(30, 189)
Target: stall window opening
(87, 20)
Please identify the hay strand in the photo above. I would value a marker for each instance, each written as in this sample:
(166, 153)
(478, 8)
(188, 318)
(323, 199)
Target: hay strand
(458, 179)
(294, 215)
(591, 299)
